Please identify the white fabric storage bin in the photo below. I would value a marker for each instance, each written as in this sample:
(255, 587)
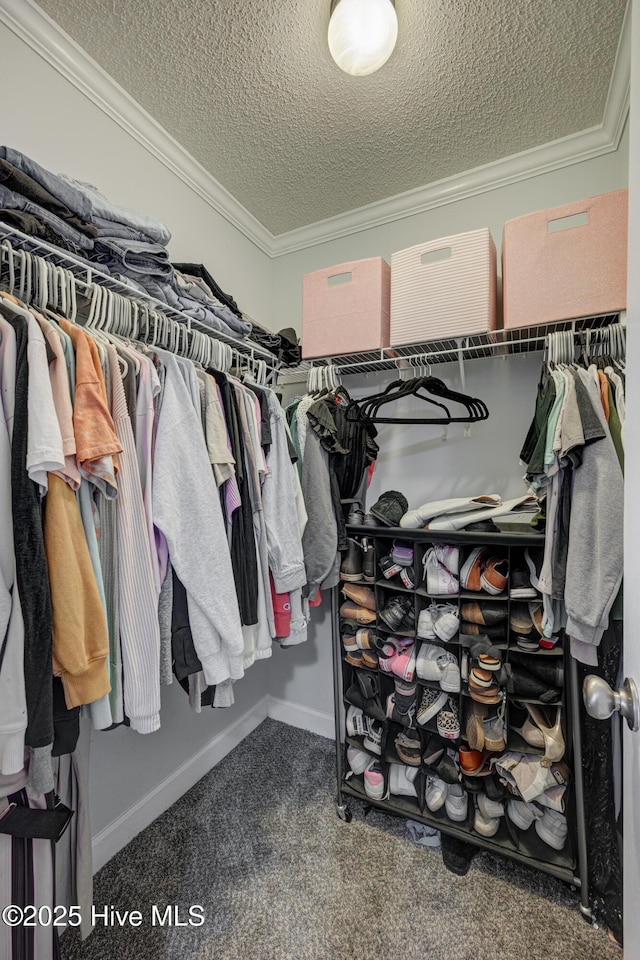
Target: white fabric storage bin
(444, 288)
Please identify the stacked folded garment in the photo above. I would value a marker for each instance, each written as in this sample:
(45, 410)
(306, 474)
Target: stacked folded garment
(132, 246)
(39, 203)
(128, 244)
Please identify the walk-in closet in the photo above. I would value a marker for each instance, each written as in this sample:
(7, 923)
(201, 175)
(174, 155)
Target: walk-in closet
(318, 338)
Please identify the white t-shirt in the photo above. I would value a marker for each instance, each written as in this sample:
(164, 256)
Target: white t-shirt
(45, 450)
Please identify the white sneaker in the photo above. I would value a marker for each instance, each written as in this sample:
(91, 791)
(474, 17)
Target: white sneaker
(424, 629)
(552, 828)
(446, 621)
(523, 814)
(356, 722)
(449, 557)
(428, 666)
(490, 808)
(438, 665)
(358, 760)
(435, 793)
(402, 780)
(455, 804)
(373, 737)
(485, 826)
(450, 679)
(374, 786)
(439, 580)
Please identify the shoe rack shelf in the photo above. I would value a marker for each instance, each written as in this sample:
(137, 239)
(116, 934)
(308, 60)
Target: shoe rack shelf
(568, 864)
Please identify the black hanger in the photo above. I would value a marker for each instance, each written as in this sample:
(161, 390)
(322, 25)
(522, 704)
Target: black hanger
(424, 388)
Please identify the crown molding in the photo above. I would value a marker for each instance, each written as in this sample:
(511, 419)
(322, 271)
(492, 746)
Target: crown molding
(584, 145)
(42, 34)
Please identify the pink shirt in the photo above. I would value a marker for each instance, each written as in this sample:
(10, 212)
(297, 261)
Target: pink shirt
(61, 402)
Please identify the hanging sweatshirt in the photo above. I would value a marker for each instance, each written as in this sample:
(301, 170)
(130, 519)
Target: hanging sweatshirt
(595, 553)
(79, 628)
(279, 491)
(186, 509)
(320, 539)
(137, 595)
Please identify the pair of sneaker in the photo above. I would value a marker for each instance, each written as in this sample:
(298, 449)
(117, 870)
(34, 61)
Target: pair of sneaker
(438, 665)
(452, 796)
(483, 571)
(398, 613)
(487, 815)
(399, 562)
(439, 621)
(438, 704)
(399, 658)
(361, 764)
(402, 780)
(358, 724)
(440, 565)
(401, 704)
(550, 825)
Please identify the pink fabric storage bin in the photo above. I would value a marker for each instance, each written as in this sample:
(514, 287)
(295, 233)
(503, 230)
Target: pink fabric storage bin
(561, 271)
(444, 288)
(345, 309)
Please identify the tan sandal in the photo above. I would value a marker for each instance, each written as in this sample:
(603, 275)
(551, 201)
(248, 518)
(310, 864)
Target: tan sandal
(474, 727)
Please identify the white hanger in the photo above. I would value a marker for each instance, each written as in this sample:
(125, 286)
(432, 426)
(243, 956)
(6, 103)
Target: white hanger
(7, 250)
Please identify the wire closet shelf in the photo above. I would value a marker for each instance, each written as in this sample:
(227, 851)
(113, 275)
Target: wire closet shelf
(86, 276)
(495, 343)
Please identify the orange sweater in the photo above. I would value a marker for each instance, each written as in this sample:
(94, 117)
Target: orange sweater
(80, 642)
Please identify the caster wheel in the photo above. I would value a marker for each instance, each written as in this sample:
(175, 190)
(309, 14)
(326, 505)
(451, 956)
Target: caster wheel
(344, 813)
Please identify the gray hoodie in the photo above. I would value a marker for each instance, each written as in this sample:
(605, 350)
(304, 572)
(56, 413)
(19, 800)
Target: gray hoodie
(595, 554)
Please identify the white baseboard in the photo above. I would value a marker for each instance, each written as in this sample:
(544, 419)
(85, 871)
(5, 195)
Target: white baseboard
(122, 830)
(297, 715)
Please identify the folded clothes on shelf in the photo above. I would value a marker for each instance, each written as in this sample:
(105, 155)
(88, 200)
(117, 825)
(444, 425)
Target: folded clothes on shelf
(10, 200)
(100, 206)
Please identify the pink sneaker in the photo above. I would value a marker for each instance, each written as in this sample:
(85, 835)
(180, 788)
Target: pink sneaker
(374, 781)
(403, 662)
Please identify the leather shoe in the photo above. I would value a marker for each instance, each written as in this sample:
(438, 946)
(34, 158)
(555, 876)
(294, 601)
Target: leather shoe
(363, 596)
(351, 568)
(484, 613)
(351, 611)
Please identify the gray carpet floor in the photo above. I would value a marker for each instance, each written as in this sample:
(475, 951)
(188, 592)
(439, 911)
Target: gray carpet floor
(257, 842)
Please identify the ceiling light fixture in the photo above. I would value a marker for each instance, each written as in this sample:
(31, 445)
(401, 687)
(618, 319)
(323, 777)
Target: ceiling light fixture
(362, 34)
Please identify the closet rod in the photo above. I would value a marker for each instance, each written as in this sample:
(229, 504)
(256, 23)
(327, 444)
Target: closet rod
(87, 274)
(509, 342)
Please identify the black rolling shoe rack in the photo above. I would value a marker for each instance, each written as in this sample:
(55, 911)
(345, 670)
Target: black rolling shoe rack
(525, 846)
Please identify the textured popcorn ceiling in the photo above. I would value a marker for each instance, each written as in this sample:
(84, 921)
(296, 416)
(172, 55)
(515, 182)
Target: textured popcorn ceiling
(250, 89)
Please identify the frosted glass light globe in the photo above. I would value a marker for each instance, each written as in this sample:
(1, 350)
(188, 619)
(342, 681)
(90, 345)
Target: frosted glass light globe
(362, 35)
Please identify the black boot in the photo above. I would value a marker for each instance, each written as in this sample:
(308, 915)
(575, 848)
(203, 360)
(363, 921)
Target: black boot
(368, 562)
(524, 684)
(351, 569)
(547, 670)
